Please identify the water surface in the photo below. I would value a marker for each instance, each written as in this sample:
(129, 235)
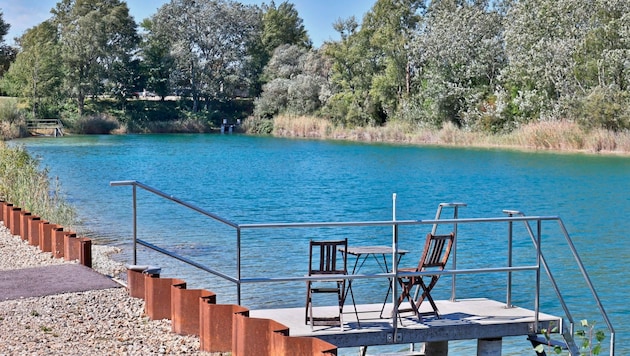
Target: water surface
(257, 179)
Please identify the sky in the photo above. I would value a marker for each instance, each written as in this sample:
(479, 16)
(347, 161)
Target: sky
(318, 15)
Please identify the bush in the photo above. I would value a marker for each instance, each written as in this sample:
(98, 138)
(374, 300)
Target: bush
(258, 126)
(100, 124)
(605, 107)
(12, 120)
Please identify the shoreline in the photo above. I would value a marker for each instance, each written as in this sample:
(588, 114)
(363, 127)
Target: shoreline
(97, 322)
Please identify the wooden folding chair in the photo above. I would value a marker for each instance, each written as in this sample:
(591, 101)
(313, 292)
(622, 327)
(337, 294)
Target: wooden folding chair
(325, 259)
(437, 249)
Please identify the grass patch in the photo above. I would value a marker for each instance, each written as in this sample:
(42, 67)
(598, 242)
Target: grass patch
(26, 186)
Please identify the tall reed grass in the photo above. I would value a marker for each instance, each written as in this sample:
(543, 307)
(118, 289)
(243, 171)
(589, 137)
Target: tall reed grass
(12, 119)
(26, 186)
(556, 135)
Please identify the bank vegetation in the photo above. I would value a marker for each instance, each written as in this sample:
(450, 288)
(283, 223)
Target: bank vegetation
(540, 74)
(27, 186)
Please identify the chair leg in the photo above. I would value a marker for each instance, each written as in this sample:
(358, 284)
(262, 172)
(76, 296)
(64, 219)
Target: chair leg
(406, 293)
(308, 302)
(354, 304)
(426, 293)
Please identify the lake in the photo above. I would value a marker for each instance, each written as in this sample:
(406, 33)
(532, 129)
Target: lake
(261, 179)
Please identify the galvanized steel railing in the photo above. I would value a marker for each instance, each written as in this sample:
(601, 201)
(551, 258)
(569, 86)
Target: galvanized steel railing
(513, 216)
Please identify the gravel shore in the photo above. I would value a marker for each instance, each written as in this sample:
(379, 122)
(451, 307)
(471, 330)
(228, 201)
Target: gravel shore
(102, 322)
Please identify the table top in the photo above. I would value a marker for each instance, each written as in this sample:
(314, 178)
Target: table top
(375, 250)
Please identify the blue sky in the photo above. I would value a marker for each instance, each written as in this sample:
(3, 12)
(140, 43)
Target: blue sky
(318, 15)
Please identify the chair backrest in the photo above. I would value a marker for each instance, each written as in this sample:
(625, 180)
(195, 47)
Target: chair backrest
(325, 257)
(437, 249)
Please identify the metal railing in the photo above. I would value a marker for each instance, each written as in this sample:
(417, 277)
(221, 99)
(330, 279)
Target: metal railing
(514, 216)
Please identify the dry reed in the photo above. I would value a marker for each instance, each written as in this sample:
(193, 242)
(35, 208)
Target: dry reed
(551, 135)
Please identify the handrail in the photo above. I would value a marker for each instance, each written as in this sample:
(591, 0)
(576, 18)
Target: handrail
(44, 123)
(585, 275)
(535, 236)
(590, 286)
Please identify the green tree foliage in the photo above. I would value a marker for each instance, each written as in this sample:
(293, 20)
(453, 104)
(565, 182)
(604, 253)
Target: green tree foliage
(157, 61)
(371, 64)
(209, 45)
(298, 84)
(36, 73)
(97, 39)
(4, 27)
(483, 65)
(563, 54)
(456, 73)
(7, 53)
(281, 25)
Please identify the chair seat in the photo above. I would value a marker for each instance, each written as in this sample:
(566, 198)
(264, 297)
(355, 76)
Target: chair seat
(325, 290)
(407, 270)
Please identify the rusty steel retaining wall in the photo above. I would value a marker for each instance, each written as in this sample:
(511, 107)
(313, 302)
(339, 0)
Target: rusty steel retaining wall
(220, 327)
(48, 237)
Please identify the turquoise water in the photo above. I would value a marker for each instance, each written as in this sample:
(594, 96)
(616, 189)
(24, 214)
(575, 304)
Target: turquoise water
(254, 179)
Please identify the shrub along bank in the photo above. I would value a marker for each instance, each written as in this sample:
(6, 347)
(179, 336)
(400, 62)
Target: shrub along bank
(25, 185)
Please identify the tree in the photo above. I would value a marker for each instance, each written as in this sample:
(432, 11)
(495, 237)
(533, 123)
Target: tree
(208, 45)
(566, 56)
(297, 83)
(7, 53)
(371, 67)
(281, 25)
(97, 39)
(458, 55)
(389, 26)
(157, 63)
(36, 73)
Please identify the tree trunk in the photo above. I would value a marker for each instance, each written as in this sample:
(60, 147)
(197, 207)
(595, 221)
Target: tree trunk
(80, 103)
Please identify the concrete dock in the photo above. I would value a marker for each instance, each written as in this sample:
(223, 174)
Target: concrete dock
(465, 319)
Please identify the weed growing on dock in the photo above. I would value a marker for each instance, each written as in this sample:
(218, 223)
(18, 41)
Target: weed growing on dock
(591, 339)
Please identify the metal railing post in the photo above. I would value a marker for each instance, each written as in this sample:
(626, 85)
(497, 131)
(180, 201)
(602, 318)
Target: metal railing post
(394, 268)
(238, 265)
(135, 227)
(454, 257)
(508, 297)
(538, 258)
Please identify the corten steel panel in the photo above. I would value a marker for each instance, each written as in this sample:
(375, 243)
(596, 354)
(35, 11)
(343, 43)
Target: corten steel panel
(57, 241)
(77, 248)
(185, 308)
(301, 345)
(7, 208)
(135, 282)
(24, 216)
(157, 296)
(33, 230)
(86, 252)
(254, 336)
(14, 224)
(45, 236)
(215, 324)
(2, 206)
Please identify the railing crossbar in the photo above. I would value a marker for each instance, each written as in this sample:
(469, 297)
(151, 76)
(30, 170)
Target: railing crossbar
(388, 275)
(186, 260)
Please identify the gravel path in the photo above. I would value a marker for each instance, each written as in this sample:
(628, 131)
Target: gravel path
(103, 322)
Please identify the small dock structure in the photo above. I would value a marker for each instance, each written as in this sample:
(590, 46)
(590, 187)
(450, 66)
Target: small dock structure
(463, 317)
(45, 127)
